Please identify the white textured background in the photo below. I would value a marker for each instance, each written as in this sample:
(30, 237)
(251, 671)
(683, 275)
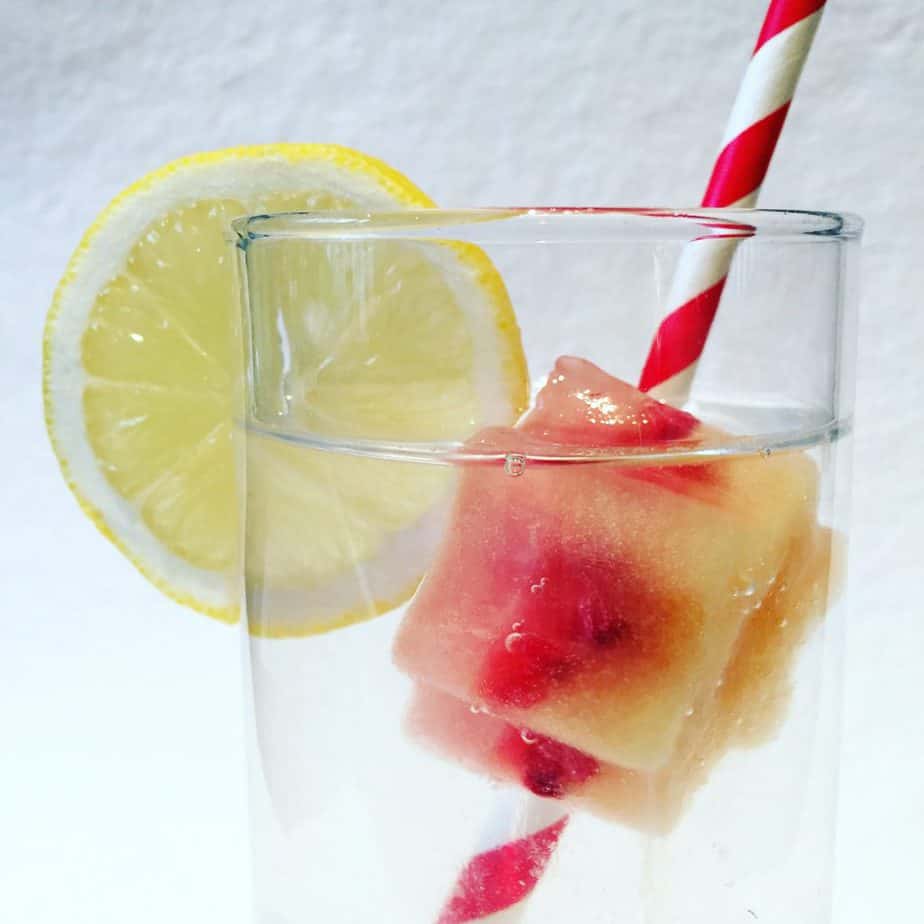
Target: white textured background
(121, 766)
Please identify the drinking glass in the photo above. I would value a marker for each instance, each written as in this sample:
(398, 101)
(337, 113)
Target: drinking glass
(522, 643)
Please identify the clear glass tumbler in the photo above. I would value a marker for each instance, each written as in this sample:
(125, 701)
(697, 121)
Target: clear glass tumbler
(524, 643)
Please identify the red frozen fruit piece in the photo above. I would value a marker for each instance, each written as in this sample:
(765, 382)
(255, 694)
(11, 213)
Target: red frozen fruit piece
(595, 602)
(572, 615)
(485, 744)
(581, 405)
(544, 766)
(521, 668)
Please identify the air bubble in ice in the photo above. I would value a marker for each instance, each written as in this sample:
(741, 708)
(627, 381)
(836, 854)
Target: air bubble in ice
(514, 464)
(527, 736)
(512, 641)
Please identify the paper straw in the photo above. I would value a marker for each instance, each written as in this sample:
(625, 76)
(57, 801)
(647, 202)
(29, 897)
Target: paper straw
(496, 883)
(750, 138)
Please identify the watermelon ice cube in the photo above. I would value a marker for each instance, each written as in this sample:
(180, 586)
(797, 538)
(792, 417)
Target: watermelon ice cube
(597, 602)
(745, 708)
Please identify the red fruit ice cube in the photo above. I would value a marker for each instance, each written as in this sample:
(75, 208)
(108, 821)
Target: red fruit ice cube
(596, 602)
(744, 709)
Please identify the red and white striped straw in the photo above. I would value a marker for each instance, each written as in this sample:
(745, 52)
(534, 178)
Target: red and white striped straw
(496, 883)
(751, 134)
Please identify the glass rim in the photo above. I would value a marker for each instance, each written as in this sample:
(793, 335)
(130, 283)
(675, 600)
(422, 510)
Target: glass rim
(683, 452)
(549, 224)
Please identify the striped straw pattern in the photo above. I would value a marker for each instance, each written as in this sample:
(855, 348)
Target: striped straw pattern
(495, 884)
(752, 132)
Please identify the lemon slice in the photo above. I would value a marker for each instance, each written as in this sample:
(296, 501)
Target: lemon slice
(140, 371)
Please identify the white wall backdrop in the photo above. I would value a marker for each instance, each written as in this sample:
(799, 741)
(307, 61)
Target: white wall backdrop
(121, 766)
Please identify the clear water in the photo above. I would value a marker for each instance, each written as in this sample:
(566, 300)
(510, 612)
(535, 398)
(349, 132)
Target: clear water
(354, 822)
